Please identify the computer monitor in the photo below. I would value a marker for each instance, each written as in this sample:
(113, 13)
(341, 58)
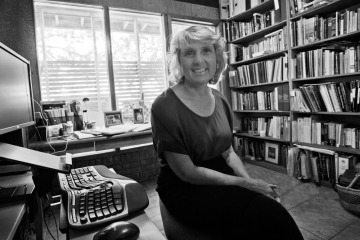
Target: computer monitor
(17, 112)
(16, 106)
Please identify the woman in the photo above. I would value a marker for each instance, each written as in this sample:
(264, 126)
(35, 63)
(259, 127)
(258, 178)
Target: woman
(202, 180)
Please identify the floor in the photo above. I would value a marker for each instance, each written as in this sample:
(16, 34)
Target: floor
(315, 209)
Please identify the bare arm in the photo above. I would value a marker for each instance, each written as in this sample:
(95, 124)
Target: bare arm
(184, 168)
(233, 161)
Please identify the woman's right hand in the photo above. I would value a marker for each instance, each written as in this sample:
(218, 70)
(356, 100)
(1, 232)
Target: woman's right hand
(265, 188)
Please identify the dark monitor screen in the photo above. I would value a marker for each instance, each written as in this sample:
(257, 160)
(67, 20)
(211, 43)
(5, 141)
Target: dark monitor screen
(16, 104)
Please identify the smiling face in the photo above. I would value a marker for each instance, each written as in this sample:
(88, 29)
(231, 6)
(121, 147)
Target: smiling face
(198, 62)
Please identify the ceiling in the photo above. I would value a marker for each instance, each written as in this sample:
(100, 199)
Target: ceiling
(209, 3)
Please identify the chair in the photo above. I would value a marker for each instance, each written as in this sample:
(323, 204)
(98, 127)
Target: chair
(176, 230)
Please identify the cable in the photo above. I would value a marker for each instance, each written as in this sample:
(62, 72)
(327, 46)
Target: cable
(64, 150)
(56, 225)
(47, 227)
(46, 132)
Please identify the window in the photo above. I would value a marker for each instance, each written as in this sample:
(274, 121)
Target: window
(138, 57)
(73, 57)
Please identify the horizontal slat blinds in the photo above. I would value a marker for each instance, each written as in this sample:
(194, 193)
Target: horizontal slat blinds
(69, 80)
(74, 80)
(133, 78)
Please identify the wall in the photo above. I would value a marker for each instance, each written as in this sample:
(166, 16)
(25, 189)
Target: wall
(17, 31)
(17, 25)
(170, 7)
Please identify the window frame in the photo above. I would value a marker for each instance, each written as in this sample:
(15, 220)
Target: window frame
(166, 28)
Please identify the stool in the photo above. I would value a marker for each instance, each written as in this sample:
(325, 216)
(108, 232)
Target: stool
(176, 230)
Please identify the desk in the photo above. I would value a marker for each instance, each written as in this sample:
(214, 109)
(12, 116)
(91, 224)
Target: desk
(148, 230)
(11, 216)
(96, 143)
(12, 213)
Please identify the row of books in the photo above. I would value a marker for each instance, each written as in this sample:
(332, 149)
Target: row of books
(276, 99)
(327, 61)
(271, 43)
(309, 130)
(275, 127)
(308, 30)
(303, 164)
(58, 115)
(318, 166)
(298, 6)
(230, 8)
(234, 30)
(255, 150)
(312, 166)
(273, 70)
(329, 97)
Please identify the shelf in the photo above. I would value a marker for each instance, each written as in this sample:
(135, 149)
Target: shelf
(266, 165)
(263, 7)
(311, 79)
(350, 119)
(261, 138)
(272, 112)
(332, 148)
(329, 113)
(259, 85)
(326, 42)
(325, 8)
(259, 58)
(259, 34)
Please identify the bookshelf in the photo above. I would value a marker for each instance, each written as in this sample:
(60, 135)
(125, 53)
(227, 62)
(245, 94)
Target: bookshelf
(316, 65)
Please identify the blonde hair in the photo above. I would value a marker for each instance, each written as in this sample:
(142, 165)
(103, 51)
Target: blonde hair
(196, 33)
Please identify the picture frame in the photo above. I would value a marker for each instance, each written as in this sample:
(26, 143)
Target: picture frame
(272, 152)
(138, 115)
(113, 118)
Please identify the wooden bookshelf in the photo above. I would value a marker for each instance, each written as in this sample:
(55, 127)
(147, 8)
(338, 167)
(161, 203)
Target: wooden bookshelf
(261, 85)
(271, 139)
(267, 165)
(337, 43)
(356, 114)
(260, 58)
(326, 78)
(272, 112)
(348, 150)
(327, 41)
(259, 34)
(330, 7)
(249, 13)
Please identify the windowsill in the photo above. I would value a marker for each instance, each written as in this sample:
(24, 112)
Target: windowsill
(93, 144)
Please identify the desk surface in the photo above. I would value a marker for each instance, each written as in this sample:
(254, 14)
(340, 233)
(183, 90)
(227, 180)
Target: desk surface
(148, 230)
(97, 143)
(12, 213)
(11, 216)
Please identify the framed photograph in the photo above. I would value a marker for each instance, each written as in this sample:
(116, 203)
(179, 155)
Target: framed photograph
(113, 118)
(272, 152)
(138, 115)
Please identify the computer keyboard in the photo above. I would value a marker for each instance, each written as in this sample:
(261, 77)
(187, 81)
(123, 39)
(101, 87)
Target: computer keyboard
(95, 195)
(117, 129)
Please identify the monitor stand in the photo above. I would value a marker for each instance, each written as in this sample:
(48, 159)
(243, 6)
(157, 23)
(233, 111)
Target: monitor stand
(35, 158)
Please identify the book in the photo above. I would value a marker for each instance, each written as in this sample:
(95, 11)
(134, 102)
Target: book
(314, 168)
(224, 6)
(344, 163)
(305, 165)
(239, 6)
